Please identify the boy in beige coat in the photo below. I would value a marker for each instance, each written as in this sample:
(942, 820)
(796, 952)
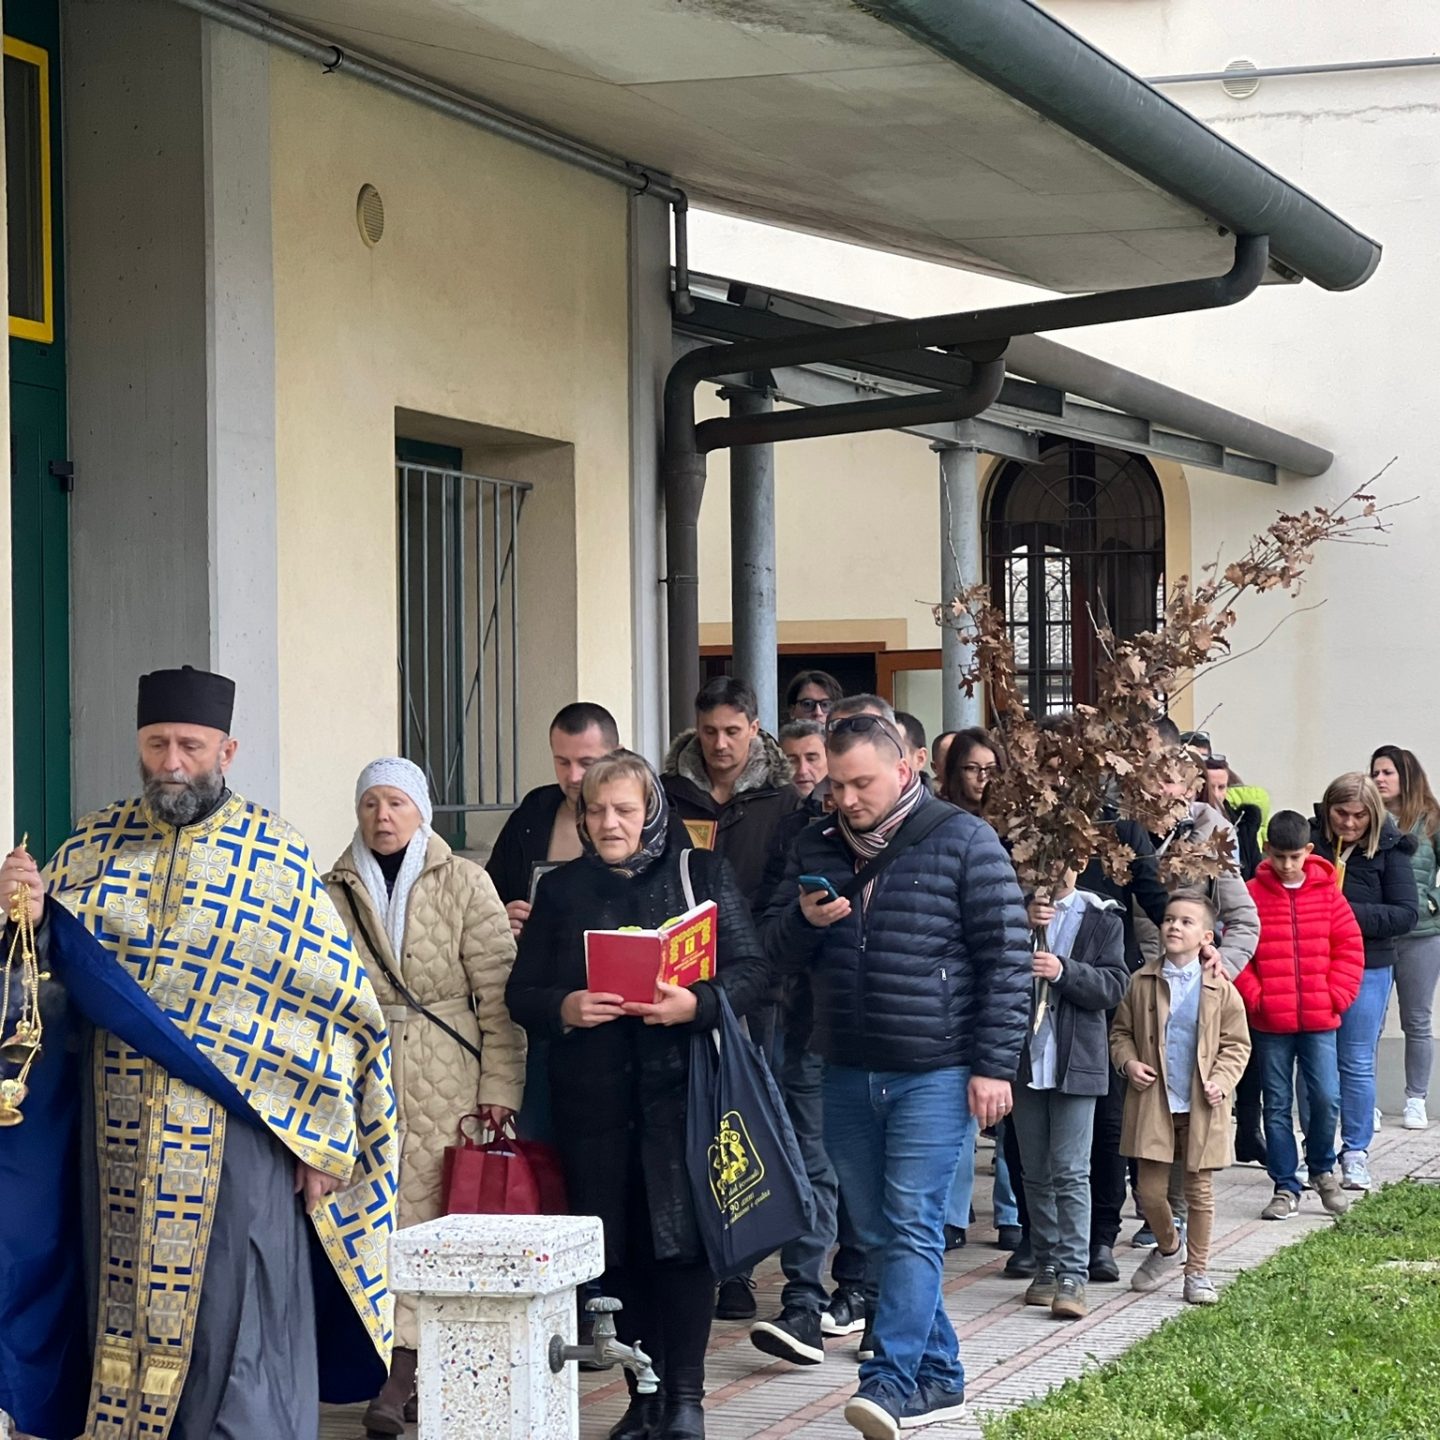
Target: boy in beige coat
(1180, 1039)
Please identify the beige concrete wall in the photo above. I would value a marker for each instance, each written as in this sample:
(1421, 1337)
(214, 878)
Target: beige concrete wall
(496, 298)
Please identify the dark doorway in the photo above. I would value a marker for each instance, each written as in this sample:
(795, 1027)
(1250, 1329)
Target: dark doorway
(852, 665)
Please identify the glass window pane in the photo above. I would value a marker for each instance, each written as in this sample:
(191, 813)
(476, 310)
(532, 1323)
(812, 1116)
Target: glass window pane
(1073, 542)
(25, 204)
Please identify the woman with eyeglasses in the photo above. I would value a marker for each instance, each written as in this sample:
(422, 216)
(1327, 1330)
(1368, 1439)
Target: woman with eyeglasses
(1372, 858)
(971, 762)
(1403, 786)
(812, 695)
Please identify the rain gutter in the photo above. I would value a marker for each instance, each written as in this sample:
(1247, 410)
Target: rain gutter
(1025, 52)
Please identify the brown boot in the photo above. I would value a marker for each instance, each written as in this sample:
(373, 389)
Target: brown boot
(385, 1414)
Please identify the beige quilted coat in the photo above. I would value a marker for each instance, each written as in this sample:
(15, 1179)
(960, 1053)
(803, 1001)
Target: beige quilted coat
(458, 954)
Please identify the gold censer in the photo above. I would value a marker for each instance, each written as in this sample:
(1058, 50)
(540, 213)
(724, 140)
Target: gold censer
(21, 1045)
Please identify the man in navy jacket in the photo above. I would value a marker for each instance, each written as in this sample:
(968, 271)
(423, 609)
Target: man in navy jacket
(921, 983)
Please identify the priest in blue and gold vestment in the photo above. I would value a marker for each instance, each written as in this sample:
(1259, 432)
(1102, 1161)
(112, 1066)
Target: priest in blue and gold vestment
(208, 1144)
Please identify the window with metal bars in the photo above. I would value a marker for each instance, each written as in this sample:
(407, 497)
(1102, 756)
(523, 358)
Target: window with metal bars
(1073, 542)
(461, 633)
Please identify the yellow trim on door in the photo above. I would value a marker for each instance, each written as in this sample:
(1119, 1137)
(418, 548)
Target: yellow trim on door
(21, 328)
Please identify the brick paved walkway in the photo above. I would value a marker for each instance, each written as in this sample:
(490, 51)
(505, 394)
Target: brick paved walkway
(1011, 1352)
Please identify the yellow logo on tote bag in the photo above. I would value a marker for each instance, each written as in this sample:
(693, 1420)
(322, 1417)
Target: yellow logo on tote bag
(735, 1167)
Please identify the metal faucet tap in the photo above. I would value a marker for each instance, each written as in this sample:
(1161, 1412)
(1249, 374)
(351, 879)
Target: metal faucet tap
(605, 1350)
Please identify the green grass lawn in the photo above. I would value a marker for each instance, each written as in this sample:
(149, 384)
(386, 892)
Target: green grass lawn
(1327, 1339)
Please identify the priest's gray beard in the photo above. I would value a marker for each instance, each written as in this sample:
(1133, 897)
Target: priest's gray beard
(176, 798)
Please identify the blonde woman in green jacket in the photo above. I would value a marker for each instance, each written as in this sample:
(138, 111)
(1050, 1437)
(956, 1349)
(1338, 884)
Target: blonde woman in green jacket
(1408, 797)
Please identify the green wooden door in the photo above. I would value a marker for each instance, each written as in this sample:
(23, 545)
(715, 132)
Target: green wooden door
(40, 588)
(39, 483)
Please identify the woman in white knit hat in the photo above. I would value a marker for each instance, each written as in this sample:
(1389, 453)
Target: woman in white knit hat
(436, 941)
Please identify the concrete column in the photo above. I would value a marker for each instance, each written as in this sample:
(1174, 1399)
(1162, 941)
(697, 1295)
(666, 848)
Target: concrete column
(172, 377)
(135, 273)
(491, 1292)
(650, 357)
(752, 556)
(240, 381)
(959, 568)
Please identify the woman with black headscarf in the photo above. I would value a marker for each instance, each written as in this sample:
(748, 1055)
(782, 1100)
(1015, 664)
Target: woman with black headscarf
(619, 1072)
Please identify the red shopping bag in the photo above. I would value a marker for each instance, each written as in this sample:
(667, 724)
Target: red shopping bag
(549, 1175)
(487, 1177)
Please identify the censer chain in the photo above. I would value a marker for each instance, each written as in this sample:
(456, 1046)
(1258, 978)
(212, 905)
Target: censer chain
(23, 1044)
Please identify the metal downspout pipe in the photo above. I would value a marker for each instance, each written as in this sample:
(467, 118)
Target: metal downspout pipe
(980, 335)
(335, 59)
(752, 555)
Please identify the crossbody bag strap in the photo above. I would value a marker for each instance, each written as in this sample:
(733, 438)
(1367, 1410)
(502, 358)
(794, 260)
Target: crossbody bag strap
(395, 983)
(934, 815)
(685, 881)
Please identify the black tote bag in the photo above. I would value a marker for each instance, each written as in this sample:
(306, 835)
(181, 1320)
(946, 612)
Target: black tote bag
(748, 1182)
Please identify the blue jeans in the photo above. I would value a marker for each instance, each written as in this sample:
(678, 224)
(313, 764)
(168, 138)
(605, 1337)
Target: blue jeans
(1355, 1043)
(962, 1188)
(894, 1138)
(1007, 1208)
(1314, 1051)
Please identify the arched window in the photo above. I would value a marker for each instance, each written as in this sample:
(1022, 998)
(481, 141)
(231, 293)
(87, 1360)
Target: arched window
(1072, 541)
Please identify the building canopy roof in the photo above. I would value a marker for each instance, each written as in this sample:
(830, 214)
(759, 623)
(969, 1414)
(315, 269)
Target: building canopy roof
(972, 132)
(1050, 389)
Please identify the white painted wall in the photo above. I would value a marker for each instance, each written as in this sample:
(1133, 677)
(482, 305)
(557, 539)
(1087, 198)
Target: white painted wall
(1356, 372)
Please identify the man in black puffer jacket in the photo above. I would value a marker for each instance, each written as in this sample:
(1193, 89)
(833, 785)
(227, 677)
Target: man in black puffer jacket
(921, 984)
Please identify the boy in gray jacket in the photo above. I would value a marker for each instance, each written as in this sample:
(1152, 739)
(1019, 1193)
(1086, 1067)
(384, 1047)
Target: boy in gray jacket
(1078, 973)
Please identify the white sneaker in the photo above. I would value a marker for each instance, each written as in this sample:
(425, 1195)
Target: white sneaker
(1415, 1116)
(1379, 1118)
(1199, 1290)
(1355, 1171)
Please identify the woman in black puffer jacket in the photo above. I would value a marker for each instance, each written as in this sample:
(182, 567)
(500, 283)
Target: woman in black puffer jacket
(1372, 857)
(618, 1074)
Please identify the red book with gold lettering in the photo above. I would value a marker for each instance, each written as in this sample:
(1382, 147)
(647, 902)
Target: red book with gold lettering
(629, 962)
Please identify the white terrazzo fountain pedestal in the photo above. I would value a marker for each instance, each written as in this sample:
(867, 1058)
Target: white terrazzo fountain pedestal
(491, 1292)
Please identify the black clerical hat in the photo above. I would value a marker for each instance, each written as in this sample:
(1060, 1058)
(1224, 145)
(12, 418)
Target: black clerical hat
(185, 697)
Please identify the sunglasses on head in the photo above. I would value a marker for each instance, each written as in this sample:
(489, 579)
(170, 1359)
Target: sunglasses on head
(1216, 762)
(866, 725)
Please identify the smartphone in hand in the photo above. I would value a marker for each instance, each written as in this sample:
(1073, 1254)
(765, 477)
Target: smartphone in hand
(819, 885)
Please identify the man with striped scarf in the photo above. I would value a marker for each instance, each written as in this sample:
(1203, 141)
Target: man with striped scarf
(921, 973)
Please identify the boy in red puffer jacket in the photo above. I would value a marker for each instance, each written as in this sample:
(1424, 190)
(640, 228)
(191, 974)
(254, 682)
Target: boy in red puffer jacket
(1305, 975)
